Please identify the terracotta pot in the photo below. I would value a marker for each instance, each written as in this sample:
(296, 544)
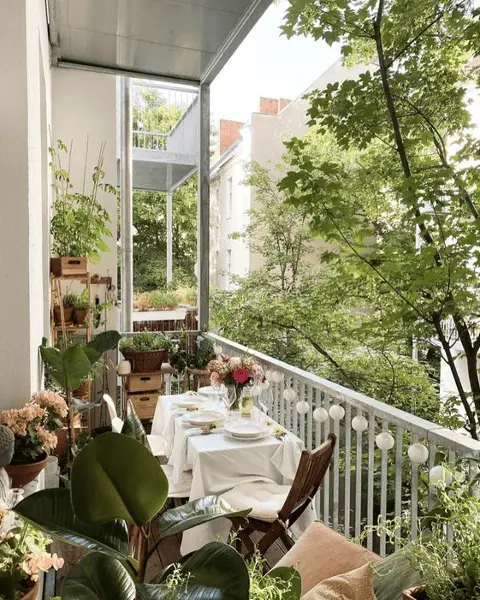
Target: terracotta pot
(68, 313)
(24, 474)
(417, 593)
(61, 447)
(57, 316)
(83, 392)
(32, 592)
(80, 316)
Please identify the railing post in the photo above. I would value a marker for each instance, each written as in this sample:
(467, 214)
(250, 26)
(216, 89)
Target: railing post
(126, 203)
(203, 243)
(169, 225)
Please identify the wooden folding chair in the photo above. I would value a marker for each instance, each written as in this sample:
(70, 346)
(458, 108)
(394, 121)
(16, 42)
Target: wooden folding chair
(308, 479)
(200, 379)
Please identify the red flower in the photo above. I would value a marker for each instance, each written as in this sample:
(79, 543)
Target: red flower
(241, 375)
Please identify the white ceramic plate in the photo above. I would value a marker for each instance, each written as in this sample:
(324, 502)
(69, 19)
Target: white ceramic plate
(247, 439)
(246, 429)
(188, 402)
(202, 418)
(210, 391)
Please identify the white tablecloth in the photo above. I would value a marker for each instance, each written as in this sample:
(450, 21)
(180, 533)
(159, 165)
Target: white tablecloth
(219, 463)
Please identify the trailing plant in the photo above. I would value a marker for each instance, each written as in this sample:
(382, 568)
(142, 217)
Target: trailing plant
(145, 341)
(445, 551)
(79, 222)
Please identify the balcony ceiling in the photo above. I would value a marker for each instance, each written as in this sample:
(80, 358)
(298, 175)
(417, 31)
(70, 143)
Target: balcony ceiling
(182, 40)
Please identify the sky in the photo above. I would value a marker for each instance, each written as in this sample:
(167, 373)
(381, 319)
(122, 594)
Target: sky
(268, 65)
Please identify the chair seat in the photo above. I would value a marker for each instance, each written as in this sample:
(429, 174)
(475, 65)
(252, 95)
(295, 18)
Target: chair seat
(158, 444)
(180, 489)
(265, 499)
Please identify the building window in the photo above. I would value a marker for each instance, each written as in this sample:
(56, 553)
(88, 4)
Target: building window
(229, 269)
(230, 198)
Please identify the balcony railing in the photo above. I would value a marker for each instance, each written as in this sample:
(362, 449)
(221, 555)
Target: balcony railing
(364, 482)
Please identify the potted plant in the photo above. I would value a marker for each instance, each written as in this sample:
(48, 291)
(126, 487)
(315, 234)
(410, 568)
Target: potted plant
(34, 426)
(81, 308)
(69, 301)
(110, 525)
(79, 222)
(145, 351)
(23, 556)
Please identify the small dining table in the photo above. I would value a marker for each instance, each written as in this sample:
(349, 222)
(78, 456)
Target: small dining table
(218, 463)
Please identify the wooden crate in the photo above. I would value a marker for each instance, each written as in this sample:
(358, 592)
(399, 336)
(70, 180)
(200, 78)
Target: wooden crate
(145, 382)
(144, 404)
(69, 265)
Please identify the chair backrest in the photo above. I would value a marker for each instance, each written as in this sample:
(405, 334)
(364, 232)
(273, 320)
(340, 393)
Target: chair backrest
(308, 478)
(200, 379)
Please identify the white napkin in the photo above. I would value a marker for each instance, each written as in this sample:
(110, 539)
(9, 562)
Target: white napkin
(178, 458)
(286, 458)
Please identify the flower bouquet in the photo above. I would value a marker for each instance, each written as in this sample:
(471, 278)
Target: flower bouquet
(34, 426)
(235, 373)
(23, 556)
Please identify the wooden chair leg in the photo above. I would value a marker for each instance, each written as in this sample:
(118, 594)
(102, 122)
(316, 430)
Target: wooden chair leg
(267, 540)
(287, 540)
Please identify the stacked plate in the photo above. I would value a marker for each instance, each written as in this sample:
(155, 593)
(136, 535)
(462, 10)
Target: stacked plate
(246, 431)
(209, 391)
(203, 418)
(188, 402)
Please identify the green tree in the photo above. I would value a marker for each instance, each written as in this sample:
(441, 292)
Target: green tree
(152, 115)
(405, 214)
(150, 237)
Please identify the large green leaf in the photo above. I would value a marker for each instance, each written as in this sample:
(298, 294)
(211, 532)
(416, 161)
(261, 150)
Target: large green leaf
(51, 510)
(98, 577)
(107, 340)
(116, 477)
(195, 513)
(68, 368)
(291, 575)
(216, 572)
(80, 406)
(133, 427)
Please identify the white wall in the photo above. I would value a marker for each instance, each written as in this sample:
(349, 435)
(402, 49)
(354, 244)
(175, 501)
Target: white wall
(25, 106)
(224, 222)
(84, 105)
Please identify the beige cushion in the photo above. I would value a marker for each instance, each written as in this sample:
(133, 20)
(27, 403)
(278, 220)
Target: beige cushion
(321, 553)
(180, 489)
(354, 585)
(265, 499)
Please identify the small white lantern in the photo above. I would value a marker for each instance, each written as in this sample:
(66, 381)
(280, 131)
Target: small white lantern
(418, 453)
(269, 375)
(320, 415)
(217, 349)
(277, 376)
(439, 474)
(265, 385)
(385, 440)
(337, 412)
(302, 407)
(124, 368)
(359, 423)
(290, 395)
(256, 390)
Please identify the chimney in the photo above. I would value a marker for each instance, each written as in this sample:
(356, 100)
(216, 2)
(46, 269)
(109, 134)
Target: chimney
(229, 133)
(272, 106)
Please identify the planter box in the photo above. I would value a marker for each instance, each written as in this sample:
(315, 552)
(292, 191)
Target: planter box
(69, 265)
(145, 382)
(144, 404)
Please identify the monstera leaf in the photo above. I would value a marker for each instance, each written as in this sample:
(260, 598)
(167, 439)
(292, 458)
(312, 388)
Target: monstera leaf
(195, 513)
(116, 477)
(216, 572)
(98, 577)
(51, 510)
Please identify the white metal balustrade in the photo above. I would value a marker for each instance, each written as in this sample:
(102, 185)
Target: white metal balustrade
(364, 482)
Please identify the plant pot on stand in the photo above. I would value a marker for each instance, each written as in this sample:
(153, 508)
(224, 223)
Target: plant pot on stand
(417, 593)
(23, 474)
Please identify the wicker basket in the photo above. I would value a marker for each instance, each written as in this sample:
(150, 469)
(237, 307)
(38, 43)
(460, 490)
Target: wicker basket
(146, 362)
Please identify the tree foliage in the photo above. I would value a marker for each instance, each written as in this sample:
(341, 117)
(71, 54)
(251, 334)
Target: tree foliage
(404, 213)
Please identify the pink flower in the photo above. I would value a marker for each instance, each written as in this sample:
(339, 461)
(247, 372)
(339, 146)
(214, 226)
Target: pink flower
(257, 372)
(241, 375)
(41, 562)
(215, 379)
